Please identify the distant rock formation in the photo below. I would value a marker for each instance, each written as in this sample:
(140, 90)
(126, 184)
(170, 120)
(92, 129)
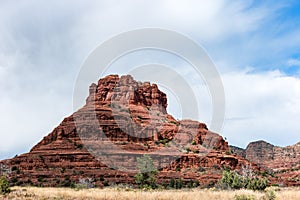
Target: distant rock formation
(284, 162)
(237, 150)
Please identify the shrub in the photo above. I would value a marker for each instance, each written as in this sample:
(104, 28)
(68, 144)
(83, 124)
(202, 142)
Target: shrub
(85, 183)
(256, 184)
(208, 185)
(172, 183)
(14, 180)
(228, 152)
(194, 142)
(195, 151)
(14, 168)
(176, 183)
(233, 180)
(196, 184)
(67, 183)
(216, 148)
(29, 182)
(105, 183)
(164, 141)
(79, 146)
(201, 169)
(216, 167)
(188, 150)
(192, 184)
(4, 186)
(147, 173)
(41, 179)
(102, 178)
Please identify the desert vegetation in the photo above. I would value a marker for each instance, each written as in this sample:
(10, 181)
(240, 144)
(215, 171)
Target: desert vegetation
(242, 185)
(4, 186)
(232, 180)
(147, 172)
(112, 193)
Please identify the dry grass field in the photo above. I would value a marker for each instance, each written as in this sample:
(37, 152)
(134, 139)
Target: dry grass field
(34, 193)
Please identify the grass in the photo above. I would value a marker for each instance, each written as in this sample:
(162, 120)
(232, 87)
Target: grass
(35, 193)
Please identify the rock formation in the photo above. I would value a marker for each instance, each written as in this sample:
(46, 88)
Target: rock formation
(282, 162)
(237, 150)
(121, 120)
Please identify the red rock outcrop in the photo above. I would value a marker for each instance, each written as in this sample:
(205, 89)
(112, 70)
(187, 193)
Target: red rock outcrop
(121, 120)
(282, 162)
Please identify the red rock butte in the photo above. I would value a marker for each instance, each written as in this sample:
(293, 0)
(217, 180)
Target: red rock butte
(121, 120)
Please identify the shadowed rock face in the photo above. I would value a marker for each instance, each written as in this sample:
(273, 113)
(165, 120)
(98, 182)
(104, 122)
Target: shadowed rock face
(237, 150)
(260, 152)
(284, 162)
(121, 120)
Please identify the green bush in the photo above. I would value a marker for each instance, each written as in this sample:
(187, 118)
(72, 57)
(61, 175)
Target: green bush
(256, 184)
(14, 168)
(164, 141)
(105, 183)
(192, 184)
(102, 178)
(201, 169)
(176, 183)
(146, 178)
(14, 180)
(4, 186)
(195, 151)
(79, 146)
(67, 183)
(173, 122)
(233, 180)
(41, 179)
(188, 150)
(85, 183)
(228, 152)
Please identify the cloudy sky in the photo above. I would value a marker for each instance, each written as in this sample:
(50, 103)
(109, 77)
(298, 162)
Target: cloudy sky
(255, 46)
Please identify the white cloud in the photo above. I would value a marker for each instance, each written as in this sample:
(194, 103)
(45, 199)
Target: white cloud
(213, 20)
(43, 46)
(208, 21)
(262, 106)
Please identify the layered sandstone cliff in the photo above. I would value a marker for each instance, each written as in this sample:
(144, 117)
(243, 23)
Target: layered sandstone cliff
(121, 120)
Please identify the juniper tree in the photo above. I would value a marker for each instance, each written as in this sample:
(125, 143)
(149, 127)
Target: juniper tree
(4, 186)
(146, 178)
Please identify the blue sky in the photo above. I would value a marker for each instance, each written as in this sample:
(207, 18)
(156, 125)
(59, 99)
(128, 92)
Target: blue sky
(254, 44)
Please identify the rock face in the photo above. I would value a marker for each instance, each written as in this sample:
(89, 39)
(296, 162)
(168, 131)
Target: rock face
(121, 120)
(239, 151)
(126, 90)
(283, 162)
(260, 152)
